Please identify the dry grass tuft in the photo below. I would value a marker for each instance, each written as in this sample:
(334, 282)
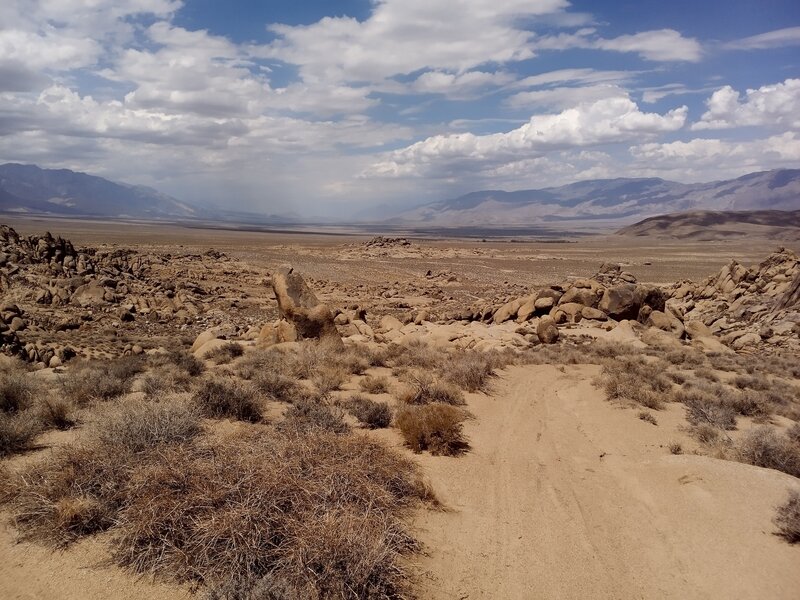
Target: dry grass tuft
(675, 448)
(17, 393)
(56, 413)
(138, 425)
(425, 389)
(793, 433)
(648, 417)
(329, 378)
(228, 398)
(703, 407)
(248, 516)
(437, 428)
(705, 433)
(633, 382)
(764, 447)
(374, 385)
(181, 359)
(375, 415)
(17, 432)
(101, 380)
(788, 518)
(471, 371)
(310, 414)
(226, 353)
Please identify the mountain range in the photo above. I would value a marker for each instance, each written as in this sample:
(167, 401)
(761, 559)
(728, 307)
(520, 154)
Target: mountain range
(620, 200)
(29, 189)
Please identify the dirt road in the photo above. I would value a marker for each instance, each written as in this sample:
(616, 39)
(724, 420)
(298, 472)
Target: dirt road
(566, 496)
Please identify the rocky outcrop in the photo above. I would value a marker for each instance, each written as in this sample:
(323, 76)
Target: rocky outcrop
(298, 305)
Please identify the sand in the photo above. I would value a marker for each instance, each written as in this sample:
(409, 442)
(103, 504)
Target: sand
(567, 496)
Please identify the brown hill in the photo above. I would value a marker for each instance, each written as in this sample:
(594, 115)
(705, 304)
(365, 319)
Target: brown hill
(712, 225)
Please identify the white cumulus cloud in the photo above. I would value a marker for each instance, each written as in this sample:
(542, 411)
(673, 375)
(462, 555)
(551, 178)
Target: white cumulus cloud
(776, 105)
(604, 121)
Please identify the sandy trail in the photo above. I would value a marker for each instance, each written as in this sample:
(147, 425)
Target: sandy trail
(566, 496)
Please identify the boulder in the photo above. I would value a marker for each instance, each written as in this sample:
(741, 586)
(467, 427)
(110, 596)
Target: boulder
(593, 313)
(209, 347)
(621, 302)
(389, 323)
(580, 295)
(298, 305)
(89, 294)
(665, 322)
(748, 339)
(547, 331)
(508, 310)
(697, 329)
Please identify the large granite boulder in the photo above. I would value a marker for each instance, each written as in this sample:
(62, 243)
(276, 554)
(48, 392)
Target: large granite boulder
(298, 305)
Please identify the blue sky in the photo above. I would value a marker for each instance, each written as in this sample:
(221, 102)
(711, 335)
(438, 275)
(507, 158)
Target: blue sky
(330, 108)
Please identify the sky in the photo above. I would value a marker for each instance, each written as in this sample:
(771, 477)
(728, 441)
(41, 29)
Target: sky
(343, 108)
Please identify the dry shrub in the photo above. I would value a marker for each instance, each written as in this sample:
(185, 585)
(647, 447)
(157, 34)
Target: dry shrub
(764, 447)
(261, 361)
(426, 388)
(100, 380)
(648, 417)
(222, 355)
(788, 518)
(751, 404)
(164, 380)
(138, 425)
(374, 385)
(705, 433)
(308, 359)
(675, 448)
(281, 388)
(56, 413)
(305, 516)
(17, 393)
(622, 382)
(416, 353)
(703, 407)
(746, 382)
(706, 374)
(318, 513)
(375, 415)
(676, 377)
(354, 360)
(17, 432)
(471, 370)
(228, 398)
(329, 378)
(793, 433)
(687, 358)
(47, 496)
(437, 428)
(181, 359)
(309, 414)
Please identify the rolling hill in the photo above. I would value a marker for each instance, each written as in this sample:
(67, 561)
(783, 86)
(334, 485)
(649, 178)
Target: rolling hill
(717, 225)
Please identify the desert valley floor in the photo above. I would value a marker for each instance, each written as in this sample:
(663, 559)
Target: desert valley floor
(635, 435)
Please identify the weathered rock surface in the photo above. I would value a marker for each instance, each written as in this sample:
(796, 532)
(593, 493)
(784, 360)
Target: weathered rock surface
(298, 305)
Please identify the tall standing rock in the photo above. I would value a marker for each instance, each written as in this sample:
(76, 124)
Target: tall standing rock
(298, 305)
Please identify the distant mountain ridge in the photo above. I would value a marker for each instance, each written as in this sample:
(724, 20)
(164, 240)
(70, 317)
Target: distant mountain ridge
(611, 199)
(31, 189)
(717, 225)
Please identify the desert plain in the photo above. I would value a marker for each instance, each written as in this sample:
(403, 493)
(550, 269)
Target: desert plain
(582, 416)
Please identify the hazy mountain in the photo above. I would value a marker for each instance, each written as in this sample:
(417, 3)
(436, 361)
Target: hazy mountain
(30, 189)
(621, 200)
(712, 225)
